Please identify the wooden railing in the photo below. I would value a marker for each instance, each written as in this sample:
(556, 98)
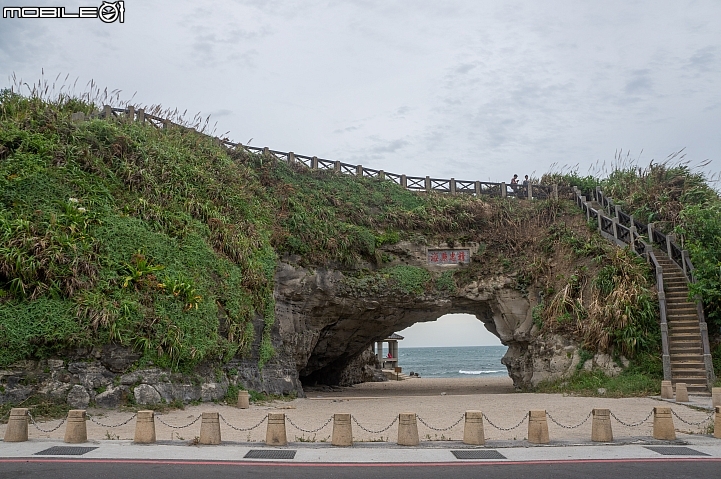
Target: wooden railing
(623, 229)
(413, 183)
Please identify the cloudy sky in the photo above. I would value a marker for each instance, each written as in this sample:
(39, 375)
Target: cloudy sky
(475, 90)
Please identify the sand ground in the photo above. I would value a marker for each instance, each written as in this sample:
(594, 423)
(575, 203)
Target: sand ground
(440, 403)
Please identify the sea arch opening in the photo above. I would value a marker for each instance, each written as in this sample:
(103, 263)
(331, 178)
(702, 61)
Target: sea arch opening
(455, 345)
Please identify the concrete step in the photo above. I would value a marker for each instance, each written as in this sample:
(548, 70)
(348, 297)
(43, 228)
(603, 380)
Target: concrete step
(687, 365)
(687, 358)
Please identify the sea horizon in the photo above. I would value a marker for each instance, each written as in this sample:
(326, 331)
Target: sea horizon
(453, 361)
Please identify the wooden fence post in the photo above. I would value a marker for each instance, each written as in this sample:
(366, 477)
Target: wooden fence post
(381, 175)
(107, 112)
(291, 157)
(336, 166)
(530, 191)
(359, 171)
(404, 181)
(130, 113)
(504, 192)
(141, 115)
(266, 151)
(314, 163)
(453, 186)
(428, 184)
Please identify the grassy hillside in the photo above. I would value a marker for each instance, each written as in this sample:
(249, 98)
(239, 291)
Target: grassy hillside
(165, 241)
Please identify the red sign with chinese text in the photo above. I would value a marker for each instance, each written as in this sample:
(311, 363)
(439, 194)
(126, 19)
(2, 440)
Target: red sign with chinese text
(449, 256)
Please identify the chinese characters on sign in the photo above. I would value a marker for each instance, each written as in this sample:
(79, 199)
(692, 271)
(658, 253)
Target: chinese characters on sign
(449, 256)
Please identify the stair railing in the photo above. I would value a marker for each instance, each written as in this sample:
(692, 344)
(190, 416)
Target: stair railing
(623, 230)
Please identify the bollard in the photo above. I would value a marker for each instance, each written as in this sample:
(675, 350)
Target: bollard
(717, 423)
(243, 399)
(663, 424)
(537, 427)
(76, 430)
(716, 396)
(342, 430)
(275, 434)
(17, 429)
(407, 429)
(681, 392)
(145, 427)
(209, 429)
(473, 429)
(601, 426)
(666, 390)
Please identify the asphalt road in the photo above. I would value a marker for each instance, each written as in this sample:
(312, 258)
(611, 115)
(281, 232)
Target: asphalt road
(111, 469)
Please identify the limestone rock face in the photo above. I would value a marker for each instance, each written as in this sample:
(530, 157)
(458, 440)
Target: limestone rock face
(146, 394)
(78, 397)
(112, 397)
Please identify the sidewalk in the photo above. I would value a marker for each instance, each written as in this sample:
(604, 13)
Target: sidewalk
(688, 446)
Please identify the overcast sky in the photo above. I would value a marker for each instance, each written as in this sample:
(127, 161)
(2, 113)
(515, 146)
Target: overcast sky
(475, 90)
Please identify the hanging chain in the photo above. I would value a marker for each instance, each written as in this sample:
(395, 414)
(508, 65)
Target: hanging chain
(700, 423)
(568, 427)
(265, 418)
(635, 424)
(441, 429)
(32, 419)
(157, 416)
(115, 425)
(306, 430)
(375, 432)
(505, 428)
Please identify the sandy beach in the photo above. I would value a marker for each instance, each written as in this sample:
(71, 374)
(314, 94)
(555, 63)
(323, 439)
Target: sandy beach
(439, 403)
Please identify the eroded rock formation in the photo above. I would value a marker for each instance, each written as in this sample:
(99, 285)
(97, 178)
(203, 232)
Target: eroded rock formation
(325, 322)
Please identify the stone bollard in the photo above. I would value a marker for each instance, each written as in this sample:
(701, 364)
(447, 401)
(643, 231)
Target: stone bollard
(275, 434)
(601, 426)
(17, 429)
(407, 429)
(716, 396)
(663, 424)
(76, 430)
(342, 430)
(537, 427)
(473, 429)
(145, 427)
(243, 399)
(681, 392)
(666, 390)
(209, 429)
(717, 423)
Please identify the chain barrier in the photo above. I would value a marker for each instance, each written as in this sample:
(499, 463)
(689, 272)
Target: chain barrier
(242, 429)
(375, 432)
(569, 427)
(506, 428)
(32, 419)
(635, 424)
(700, 423)
(420, 419)
(306, 430)
(157, 416)
(92, 418)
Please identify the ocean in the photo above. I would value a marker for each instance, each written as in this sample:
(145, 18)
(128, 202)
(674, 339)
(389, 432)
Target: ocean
(453, 362)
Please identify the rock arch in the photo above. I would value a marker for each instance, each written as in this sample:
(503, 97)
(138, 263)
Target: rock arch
(324, 328)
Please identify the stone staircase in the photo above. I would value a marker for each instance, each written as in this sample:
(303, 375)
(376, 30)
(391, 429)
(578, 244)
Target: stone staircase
(684, 332)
